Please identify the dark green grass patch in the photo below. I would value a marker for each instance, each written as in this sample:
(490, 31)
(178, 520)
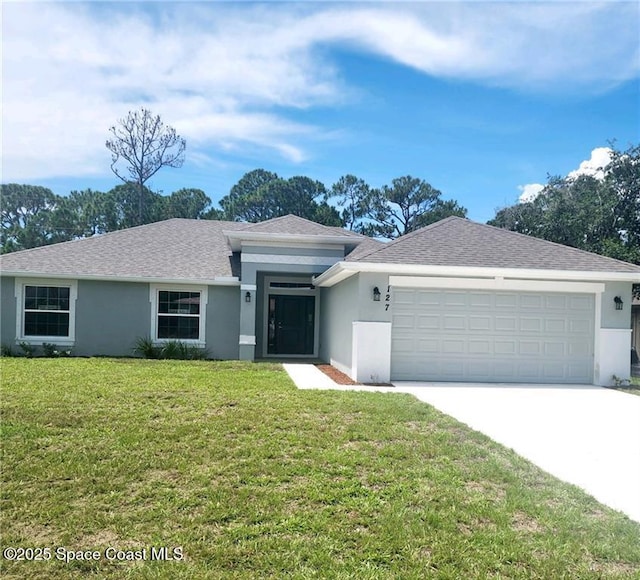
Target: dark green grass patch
(252, 478)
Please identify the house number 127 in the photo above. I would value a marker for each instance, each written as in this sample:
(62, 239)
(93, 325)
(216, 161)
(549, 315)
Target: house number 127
(387, 298)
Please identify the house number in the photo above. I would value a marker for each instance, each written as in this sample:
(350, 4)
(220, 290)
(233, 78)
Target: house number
(387, 298)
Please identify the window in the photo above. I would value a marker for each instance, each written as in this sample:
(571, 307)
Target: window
(178, 314)
(46, 311)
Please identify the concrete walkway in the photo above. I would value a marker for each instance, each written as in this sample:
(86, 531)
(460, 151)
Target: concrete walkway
(585, 435)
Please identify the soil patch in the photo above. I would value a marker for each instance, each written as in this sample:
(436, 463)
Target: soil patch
(335, 375)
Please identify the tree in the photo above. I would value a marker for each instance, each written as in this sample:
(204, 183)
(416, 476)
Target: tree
(261, 195)
(352, 194)
(238, 205)
(143, 144)
(408, 204)
(121, 207)
(187, 203)
(25, 216)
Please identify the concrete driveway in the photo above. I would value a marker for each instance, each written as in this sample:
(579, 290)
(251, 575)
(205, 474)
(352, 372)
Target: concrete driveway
(586, 435)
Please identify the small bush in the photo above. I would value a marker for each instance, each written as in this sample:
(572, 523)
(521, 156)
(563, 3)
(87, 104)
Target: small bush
(6, 350)
(173, 349)
(53, 351)
(146, 349)
(28, 350)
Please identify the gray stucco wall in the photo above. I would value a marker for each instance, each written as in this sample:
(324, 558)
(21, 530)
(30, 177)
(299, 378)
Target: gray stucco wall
(223, 322)
(338, 309)
(612, 318)
(7, 312)
(370, 311)
(110, 316)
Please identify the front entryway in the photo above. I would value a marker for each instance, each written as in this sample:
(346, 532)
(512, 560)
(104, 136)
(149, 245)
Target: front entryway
(291, 325)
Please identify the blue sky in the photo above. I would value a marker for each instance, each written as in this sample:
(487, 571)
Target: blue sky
(479, 99)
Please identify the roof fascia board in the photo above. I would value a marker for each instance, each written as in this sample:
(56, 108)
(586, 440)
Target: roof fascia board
(236, 238)
(334, 274)
(217, 281)
(292, 245)
(496, 284)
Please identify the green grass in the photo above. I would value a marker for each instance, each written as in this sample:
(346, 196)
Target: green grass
(253, 478)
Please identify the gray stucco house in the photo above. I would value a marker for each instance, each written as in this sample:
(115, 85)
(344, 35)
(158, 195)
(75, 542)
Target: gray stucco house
(455, 301)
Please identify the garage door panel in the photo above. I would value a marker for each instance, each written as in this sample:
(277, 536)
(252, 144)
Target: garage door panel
(508, 301)
(530, 324)
(529, 348)
(403, 296)
(555, 301)
(429, 345)
(428, 322)
(403, 321)
(505, 323)
(479, 322)
(555, 349)
(503, 347)
(579, 326)
(428, 297)
(480, 347)
(531, 301)
(454, 322)
(555, 325)
(454, 347)
(484, 336)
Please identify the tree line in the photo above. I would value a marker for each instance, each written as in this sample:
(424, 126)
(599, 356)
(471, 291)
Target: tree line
(34, 216)
(599, 214)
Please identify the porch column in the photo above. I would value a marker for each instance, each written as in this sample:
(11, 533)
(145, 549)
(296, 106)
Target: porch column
(247, 340)
(371, 352)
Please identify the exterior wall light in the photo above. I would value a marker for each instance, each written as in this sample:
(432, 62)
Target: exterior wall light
(247, 297)
(618, 302)
(376, 294)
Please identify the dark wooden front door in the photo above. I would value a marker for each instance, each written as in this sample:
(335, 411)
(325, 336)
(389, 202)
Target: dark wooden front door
(291, 324)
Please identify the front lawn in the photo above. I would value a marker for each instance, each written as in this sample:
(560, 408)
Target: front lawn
(241, 475)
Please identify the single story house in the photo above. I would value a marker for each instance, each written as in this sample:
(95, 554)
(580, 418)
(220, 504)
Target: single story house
(454, 301)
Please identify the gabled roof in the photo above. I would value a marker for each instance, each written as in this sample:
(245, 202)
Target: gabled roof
(294, 225)
(458, 242)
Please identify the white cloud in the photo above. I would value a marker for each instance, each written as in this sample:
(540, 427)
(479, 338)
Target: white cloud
(228, 75)
(529, 191)
(594, 166)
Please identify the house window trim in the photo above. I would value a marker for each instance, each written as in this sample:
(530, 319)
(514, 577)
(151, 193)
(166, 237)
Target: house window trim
(154, 299)
(20, 289)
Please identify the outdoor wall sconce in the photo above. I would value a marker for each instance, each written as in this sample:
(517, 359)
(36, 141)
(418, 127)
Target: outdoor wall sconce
(376, 294)
(247, 297)
(619, 303)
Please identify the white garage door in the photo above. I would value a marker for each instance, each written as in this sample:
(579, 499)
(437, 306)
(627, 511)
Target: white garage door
(450, 335)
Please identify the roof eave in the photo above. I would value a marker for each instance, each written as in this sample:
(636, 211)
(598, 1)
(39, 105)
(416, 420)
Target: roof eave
(215, 281)
(342, 270)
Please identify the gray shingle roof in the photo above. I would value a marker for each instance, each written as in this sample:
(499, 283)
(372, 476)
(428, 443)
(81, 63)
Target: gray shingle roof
(291, 224)
(173, 249)
(197, 250)
(457, 241)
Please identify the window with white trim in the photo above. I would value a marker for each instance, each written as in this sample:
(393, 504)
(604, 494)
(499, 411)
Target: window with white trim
(178, 313)
(46, 311)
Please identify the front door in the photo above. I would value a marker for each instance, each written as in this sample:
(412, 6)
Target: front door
(291, 324)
